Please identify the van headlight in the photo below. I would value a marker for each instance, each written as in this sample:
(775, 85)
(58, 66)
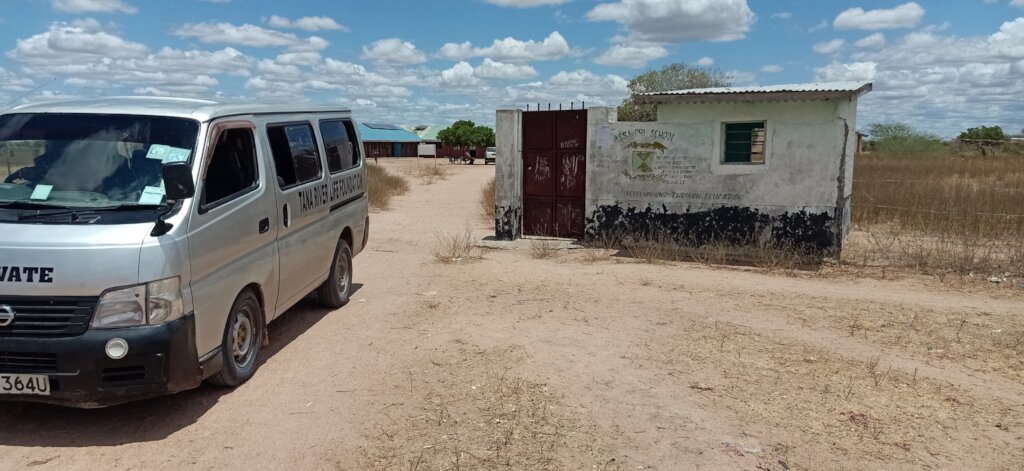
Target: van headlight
(150, 303)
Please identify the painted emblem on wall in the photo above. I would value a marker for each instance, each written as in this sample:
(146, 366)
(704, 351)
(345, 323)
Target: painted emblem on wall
(642, 164)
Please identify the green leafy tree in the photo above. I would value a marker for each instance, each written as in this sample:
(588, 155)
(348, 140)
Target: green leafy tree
(671, 77)
(465, 133)
(983, 133)
(458, 134)
(482, 136)
(902, 138)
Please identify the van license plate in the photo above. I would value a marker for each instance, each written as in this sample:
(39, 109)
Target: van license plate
(38, 385)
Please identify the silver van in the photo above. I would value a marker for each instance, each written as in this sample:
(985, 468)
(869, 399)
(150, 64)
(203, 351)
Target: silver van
(146, 243)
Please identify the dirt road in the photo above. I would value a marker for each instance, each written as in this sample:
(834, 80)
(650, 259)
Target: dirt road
(582, 361)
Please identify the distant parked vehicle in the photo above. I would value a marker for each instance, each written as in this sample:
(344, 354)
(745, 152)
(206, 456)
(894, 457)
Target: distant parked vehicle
(490, 154)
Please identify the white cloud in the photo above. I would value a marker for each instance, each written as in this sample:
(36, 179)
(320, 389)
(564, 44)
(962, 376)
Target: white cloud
(940, 83)
(394, 51)
(81, 39)
(829, 47)
(631, 55)
(1017, 3)
(771, 69)
(501, 70)
(525, 3)
(239, 35)
(93, 6)
(510, 49)
(299, 58)
(459, 74)
(87, 56)
(563, 87)
(874, 41)
(678, 20)
(782, 15)
(852, 72)
(906, 15)
(706, 61)
(818, 27)
(308, 23)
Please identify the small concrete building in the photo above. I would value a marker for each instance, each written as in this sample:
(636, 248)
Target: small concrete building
(726, 164)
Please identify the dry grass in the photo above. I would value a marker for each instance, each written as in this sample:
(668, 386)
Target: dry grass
(939, 214)
(455, 247)
(541, 249)
(383, 186)
(473, 412)
(866, 411)
(767, 255)
(429, 173)
(487, 203)
(988, 342)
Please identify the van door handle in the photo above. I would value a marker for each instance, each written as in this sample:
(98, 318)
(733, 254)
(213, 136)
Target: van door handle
(264, 225)
(284, 212)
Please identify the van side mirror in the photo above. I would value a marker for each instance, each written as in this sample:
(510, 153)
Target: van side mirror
(178, 184)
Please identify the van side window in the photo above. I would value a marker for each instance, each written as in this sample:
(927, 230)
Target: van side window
(295, 156)
(339, 141)
(232, 170)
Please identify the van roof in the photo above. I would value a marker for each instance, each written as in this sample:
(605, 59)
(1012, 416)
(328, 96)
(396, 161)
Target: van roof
(202, 110)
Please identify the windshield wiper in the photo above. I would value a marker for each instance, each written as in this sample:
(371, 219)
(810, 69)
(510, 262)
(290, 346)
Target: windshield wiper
(57, 211)
(31, 205)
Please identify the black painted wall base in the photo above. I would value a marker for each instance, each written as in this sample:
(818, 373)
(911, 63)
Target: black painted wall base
(729, 224)
(507, 222)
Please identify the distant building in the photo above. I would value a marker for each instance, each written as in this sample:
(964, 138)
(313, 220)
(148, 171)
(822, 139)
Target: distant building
(428, 135)
(387, 140)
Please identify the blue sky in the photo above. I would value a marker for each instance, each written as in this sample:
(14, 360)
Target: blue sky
(940, 65)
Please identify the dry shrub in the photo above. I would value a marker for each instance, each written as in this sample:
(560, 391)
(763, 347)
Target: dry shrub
(428, 174)
(383, 186)
(596, 254)
(541, 249)
(454, 247)
(767, 254)
(939, 213)
(487, 203)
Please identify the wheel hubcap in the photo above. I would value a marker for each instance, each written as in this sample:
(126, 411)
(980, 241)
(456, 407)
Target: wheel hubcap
(342, 271)
(242, 339)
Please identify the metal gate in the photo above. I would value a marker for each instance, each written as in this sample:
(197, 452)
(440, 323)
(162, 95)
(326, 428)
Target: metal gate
(554, 172)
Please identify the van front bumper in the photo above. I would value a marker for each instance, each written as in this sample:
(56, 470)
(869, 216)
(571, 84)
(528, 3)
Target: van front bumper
(161, 360)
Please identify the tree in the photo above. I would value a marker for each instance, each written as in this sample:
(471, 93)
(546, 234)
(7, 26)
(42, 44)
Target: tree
(482, 136)
(983, 133)
(465, 133)
(671, 77)
(902, 138)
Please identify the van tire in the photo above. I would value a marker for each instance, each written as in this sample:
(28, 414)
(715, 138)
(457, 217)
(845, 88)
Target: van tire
(244, 319)
(337, 288)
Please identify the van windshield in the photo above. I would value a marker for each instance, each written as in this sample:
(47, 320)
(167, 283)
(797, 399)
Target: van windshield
(89, 160)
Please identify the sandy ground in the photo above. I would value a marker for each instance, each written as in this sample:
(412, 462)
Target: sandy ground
(584, 360)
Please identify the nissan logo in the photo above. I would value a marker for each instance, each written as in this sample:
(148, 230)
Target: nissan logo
(6, 315)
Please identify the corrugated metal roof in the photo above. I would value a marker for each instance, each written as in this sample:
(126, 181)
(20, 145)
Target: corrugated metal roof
(773, 92)
(427, 132)
(373, 134)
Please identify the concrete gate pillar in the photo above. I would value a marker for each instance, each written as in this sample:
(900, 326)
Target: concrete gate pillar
(508, 199)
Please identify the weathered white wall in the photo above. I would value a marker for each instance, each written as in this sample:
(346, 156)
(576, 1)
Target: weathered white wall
(804, 167)
(508, 174)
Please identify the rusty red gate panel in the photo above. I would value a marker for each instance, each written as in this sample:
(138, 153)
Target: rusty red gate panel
(554, 172)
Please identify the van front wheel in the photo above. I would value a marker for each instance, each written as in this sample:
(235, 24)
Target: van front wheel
(243, 336)
(335, 291)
